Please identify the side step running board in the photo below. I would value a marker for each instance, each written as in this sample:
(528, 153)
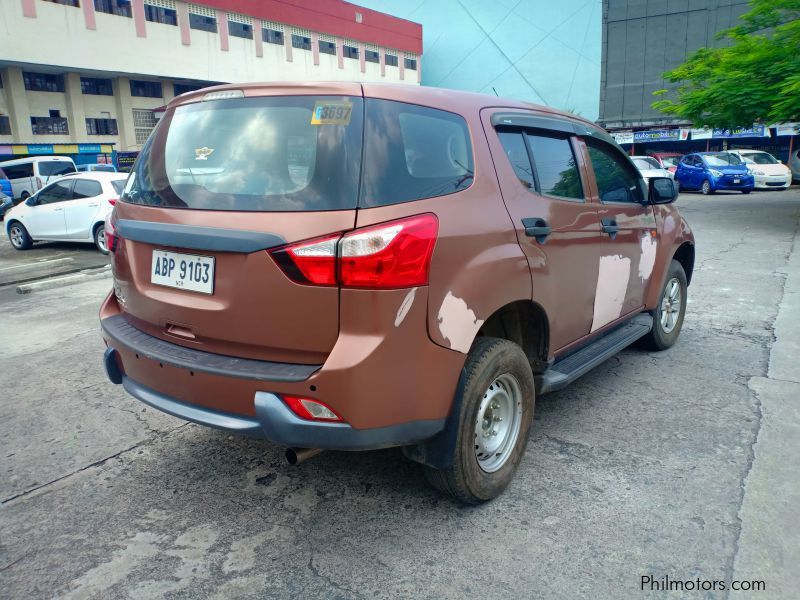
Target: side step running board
(566, 370)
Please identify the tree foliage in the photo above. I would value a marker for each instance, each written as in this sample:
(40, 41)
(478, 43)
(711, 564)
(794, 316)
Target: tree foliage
(756, 78)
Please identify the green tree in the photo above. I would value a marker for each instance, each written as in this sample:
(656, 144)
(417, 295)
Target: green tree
(754, 79)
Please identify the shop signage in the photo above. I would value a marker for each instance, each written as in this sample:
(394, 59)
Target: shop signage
(125, 161)
(702, 134)
(787, 129)
(740, 132)
(623, 137)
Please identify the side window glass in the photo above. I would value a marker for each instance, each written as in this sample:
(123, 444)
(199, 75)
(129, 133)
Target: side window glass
(412, 152)
(514, 145)
(86, 188)
(555, 166)
(57, 192)
(615, 181)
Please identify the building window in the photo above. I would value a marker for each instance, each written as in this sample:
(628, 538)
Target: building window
(146, 89)
(75, 3)
(43, 82)
(101, 127)
(1, 81)
(143, 123)
(272, 36)
(49, 126)
(5, 125)
(350, 51)
(391, 60)
(371, 56)
(411, 63)
(301, 42)
(96, 87)
(327, 47)
(183, 88)
(242, 30)
(121, 8)
(202, 23)
(158, 14)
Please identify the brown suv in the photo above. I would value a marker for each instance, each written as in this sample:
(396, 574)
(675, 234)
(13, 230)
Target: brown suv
(355, 266)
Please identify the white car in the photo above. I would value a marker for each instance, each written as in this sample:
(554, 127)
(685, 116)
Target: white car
(72, 209)
(649, 167)
(768, 172)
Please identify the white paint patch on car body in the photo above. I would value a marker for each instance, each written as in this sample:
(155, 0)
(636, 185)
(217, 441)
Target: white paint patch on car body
(405, 306)
(614, 273)
(648, 257)
(458, 323)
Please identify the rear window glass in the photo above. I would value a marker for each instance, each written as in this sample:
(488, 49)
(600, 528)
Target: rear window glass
(55, 167)
(3, 174)
(106, 168)
(412, 152)
(118, 185)
(287, 153)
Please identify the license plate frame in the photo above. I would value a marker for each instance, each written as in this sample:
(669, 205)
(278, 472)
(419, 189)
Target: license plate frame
(177, 270)
(736, 180)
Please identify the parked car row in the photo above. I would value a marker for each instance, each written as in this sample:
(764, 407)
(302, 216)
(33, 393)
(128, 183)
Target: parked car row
(707, 172)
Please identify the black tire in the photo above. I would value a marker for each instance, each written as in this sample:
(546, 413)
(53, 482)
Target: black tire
(19, 236)
(660, 336)
(706, 188)
(746, 191)
(99, 235)
(25, 195)
(466, 481)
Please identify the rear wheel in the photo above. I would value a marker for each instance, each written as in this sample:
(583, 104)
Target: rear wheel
(668, 316)
(746, 191)
(496, 411)
(706, 188)
(19, 236)
(100, 238)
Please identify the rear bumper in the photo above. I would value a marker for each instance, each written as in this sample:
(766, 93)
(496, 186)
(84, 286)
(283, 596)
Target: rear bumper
(276, 423)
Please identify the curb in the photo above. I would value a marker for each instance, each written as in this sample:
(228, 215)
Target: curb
(57, 282)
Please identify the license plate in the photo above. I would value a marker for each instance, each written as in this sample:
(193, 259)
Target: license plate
(183, 271)
(735, 181)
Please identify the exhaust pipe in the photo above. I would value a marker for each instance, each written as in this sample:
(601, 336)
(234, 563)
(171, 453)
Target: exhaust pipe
(294, 456)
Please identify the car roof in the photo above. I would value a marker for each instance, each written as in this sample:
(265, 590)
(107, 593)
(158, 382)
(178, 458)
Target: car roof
(97, 175)
(446, 99)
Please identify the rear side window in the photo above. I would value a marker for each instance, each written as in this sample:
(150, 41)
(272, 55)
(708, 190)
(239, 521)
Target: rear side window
(556, 167)
(282, 153)
(86, 188)
(514, 145)
(616, 181)
(19, 171)
(48, 168)
(413, 152)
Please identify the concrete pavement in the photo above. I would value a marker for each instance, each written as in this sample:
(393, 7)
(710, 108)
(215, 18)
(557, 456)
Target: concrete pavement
(678, 464)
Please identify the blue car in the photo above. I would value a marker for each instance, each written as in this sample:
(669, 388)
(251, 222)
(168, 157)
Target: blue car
(712, 171)
(5, 184)
(5, 204)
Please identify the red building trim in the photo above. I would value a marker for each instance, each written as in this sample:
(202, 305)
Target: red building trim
(29, 8)
(334, 17)
(137, 6)
(222, 27)
(88, 15)
(183, 23)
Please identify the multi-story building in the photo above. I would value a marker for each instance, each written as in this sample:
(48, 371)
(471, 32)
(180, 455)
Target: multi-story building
(83, 77)
(644, 38)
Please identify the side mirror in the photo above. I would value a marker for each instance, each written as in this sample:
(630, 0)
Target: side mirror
(663, 190)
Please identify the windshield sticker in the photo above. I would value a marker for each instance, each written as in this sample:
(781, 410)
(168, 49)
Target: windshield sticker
(203, 153)
(331, 113)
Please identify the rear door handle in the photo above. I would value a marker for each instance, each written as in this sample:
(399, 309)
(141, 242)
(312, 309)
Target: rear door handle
(536, 228)
(610, 227)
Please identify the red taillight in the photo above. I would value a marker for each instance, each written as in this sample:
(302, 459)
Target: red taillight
(312, 261)
(113, 201)
(391, 255)
(312, 410)
(111, 235)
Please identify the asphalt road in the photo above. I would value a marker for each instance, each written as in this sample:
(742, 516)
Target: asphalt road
(679, 464)
(45, 259)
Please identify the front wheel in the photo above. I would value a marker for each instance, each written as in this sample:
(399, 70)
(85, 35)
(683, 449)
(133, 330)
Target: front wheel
(19, 236)
(706, 188)
(668, 316)
(495, 415)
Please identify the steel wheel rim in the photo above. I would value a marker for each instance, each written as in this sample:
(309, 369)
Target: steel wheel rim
(706, 187)
(671, 303)
(101, 239)
(498, 423)
(16, 236)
